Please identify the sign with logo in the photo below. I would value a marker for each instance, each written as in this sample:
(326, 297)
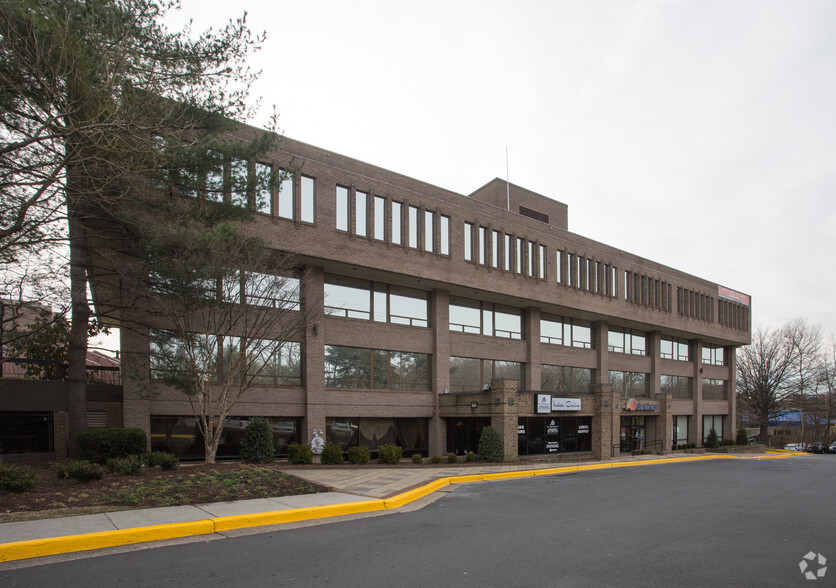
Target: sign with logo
(639, 404)
(544, 403)
(552, 428)
(566, 403)
(583, 429)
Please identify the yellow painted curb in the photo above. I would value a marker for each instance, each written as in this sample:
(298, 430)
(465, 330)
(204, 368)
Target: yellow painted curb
(88, 541)
(74, 543)
(294, 515)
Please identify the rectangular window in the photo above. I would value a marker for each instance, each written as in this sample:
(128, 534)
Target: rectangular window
(307, 199)
(263, 194)
(713, 355)
(494, 248)
(712, 421)
(347, 297)
(679, 387)
(286, 197)
(444, 233)
(565, 379)
(559, 266)
(530, 258)
(361, 213)
(620, 340)
(468, 241)
(214, 179)
(469, 374)
(483, 245)
(429, 225)
(715, 390)
(541, 259)
(355, 367)
(506, 259)
(413, 227)
(280, 292)
(485, 318)
(342, 208)
(519, 255)
(396, 222)
(676, 349)
(379, 218)
(630, 384)
(239, 182)
(271, 363)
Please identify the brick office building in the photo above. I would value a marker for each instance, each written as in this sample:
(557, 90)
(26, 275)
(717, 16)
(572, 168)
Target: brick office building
(439, 313)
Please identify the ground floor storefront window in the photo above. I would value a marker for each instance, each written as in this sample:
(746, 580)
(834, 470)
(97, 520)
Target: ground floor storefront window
(680, 430)
(463, 434)
(26, 432)
(181, 436)
(712, 421)
(546, 435)
(410, 434)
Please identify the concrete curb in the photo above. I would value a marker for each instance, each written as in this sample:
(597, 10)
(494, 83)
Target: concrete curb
(90, 541)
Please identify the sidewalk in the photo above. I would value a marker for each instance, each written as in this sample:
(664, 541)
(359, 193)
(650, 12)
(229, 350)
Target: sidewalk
(354, 491)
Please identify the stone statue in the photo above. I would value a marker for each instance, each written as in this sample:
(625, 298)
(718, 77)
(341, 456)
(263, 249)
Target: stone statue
(317, 443)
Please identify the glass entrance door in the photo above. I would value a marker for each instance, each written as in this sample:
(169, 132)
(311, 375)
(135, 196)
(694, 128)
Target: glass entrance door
(633, 433)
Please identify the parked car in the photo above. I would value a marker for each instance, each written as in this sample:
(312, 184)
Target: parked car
(832, 448)
(816, 447)
(794, 446)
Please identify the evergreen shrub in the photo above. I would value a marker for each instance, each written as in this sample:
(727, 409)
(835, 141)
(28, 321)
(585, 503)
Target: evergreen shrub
(359, 455)
(470, 457)
(81, 470)
(452, 458)
(332, 454)
(416, 458)
(390, 454)
(16, 478)
(163, 459)
(257, 442)
(712, 441)
(125, 466)
(298, 453)
(436, 459)
(104, 443)
(490, 446)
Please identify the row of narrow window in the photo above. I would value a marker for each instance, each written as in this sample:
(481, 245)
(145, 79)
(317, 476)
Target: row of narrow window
(383, 219)
(695, 304)
(493, 248)
(733, 315)
(647, 291)
(585, 273)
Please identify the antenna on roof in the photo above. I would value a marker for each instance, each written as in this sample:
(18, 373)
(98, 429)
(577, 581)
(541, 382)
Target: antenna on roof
(507, 180)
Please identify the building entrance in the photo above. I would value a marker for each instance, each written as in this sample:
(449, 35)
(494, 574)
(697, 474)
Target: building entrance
(463, 434)
(633, 433)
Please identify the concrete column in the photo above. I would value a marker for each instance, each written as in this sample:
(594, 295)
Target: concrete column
(605, 421)
(695, 426)
(440, 310)
(664, 422)
(599, 342)
(504, 414)
(313, 350)
(532, 335)
(136, 373)
(654, 350)
(731, 427)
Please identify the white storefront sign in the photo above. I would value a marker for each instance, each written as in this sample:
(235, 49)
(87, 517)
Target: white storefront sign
(566, 403)
(544, 403)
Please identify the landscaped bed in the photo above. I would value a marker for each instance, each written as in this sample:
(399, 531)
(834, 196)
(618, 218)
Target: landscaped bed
(190, 484)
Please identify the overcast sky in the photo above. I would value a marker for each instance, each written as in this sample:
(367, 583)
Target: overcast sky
(698, 134)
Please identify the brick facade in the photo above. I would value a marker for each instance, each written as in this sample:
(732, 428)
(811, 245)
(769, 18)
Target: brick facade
(522, 256)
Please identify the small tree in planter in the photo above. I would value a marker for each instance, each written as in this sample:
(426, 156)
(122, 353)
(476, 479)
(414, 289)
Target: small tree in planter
(490, 446)
(257, 443)
(712, 441)
(742, 437)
